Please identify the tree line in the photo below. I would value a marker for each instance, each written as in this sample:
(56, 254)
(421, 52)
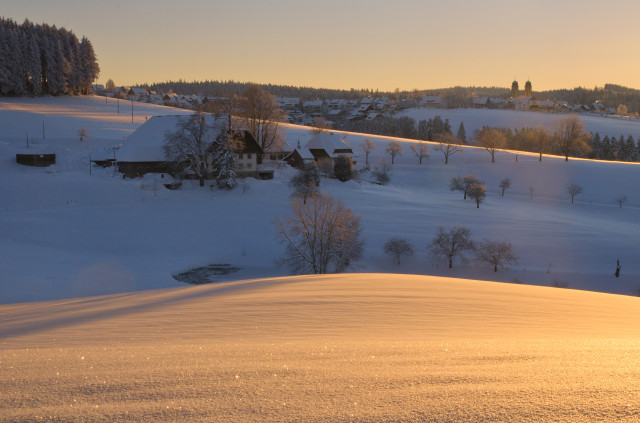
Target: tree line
(40, 59)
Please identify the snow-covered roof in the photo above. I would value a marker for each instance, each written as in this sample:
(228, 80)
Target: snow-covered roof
(329, 142)
(480, 100)
(313, 103)
(146, 144)
(138, 91)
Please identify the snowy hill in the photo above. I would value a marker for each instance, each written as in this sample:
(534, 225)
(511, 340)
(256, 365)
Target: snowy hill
(325, 348)
(65, 233)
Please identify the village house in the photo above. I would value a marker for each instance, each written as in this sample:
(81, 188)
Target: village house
(143, 151)
(324, 146)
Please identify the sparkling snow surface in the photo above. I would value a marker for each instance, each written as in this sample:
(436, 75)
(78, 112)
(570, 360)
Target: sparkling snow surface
(367, 347)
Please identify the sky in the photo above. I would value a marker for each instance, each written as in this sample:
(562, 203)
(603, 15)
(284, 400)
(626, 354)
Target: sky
(373, 44)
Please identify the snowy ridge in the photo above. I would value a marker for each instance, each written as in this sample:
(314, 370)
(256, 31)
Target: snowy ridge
(317, 348)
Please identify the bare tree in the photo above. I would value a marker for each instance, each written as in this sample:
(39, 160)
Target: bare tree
(504, 185)
(447, 145)
(491, 140)
(421, 150)
(262, 117)
(368, 146)
(397, 248)
(321, 235)
(464, 183)
(621, 199)
(573, 190)
(570, 136)
(478, 192)
(495, 253)
(393, 149)
(538, 140)
(451, 245)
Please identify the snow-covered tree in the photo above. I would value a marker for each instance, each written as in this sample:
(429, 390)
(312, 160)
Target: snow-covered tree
(191, 143)
(322, 235)
(223, 160)
(306, 182)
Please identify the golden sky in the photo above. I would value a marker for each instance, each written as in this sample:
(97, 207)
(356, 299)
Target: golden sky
(374, 44)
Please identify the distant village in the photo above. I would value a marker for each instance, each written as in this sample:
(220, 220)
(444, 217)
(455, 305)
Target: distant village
(338, 112)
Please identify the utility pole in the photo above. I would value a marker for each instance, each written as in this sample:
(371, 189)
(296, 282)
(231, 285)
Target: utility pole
(118, 105)
(132, 110)
(27, 139)
(43, 130)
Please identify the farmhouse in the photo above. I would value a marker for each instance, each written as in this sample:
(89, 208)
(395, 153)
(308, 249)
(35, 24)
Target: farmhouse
(324, 146)
(143, 151)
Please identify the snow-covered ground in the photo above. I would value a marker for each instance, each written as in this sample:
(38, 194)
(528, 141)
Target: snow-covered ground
(65, 233)
(368, 347)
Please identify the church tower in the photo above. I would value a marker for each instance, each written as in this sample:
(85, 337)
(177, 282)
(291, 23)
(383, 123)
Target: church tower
(528, 92)
(515, 91)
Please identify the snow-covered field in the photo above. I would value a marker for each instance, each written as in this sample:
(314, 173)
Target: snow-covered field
(65, 233)
(368, 347)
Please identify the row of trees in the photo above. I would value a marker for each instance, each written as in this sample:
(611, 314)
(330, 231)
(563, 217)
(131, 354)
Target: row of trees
(43, 59)
(455, 244)
(406, 127)
(322, 235)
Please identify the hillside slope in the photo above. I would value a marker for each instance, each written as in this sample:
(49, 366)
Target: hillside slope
(65, 233)
(341, 348)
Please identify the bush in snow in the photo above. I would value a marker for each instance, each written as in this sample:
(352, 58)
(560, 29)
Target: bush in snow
(343, 168)
(382, 174)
